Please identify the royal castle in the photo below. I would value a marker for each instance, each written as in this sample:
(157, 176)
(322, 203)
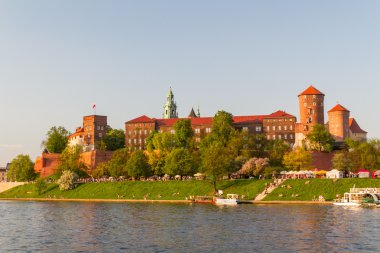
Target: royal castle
(278, 125)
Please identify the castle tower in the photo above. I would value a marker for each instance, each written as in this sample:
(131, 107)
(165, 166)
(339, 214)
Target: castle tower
(311, 105)
(94, 127)
(339, 122)
(170, 109)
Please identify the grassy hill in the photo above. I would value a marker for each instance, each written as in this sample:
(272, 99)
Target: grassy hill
(307, 189)
(167, 190)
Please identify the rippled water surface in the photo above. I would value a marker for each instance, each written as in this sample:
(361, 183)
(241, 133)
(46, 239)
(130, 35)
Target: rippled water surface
(126, 227)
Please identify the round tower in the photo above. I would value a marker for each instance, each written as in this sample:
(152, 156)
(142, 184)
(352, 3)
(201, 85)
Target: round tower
(311, 104)
(339, 122)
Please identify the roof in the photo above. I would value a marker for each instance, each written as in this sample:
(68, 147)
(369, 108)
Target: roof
(354, 127)
(338, 108)
(311, 91)
(194, 121)
(141, 119)
(78, 131)
(279, 114)
(192, 114)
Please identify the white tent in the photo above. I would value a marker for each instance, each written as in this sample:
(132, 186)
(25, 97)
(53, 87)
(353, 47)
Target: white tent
(334, 174)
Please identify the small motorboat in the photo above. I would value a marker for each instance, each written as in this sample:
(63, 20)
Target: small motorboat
(230, 200)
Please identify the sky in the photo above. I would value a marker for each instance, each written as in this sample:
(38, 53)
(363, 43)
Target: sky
(57, 58)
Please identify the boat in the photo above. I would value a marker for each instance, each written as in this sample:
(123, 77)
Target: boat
(230, 200)
(359, 197)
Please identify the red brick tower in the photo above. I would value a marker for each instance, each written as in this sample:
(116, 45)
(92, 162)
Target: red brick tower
(311, 104)
(339, 122)
(94, 129)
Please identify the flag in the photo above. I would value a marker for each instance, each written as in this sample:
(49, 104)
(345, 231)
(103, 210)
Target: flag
(93, 106)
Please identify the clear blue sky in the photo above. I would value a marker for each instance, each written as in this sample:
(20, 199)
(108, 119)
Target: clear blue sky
(246, 57)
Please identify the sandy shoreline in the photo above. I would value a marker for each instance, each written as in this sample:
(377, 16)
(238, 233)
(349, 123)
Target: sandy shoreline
(162, 201)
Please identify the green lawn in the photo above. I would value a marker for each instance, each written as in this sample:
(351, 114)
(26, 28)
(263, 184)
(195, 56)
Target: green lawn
(168, 190)
(325, 187)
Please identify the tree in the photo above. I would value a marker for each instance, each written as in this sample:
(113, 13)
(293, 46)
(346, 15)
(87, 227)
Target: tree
(277, 149)
(113, 140)
(40, 185)
(254, 166)
(101, 171)
(299, 159)
(365, 155)
(21, 169)
(116, 166)
(320, 139)
(342, 161)
(183, 133)
(70, 160)
(156, 161)
(179, 162)
(216, 161)
(67, 180)
(221, 130)
(56, 141)
(137, 165)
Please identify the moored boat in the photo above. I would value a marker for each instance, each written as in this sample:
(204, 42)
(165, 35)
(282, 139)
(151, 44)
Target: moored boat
(230, 200)
(359, 196)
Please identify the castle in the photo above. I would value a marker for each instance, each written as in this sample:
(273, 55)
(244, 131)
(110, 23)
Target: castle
(278, 125)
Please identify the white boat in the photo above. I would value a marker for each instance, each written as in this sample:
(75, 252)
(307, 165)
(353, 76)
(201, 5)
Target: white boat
(359, 196)
(230, 200)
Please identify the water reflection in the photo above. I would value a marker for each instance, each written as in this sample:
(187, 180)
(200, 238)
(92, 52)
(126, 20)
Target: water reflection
(120, 227)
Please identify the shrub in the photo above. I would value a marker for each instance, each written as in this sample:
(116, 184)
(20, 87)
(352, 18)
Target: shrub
(67, 180)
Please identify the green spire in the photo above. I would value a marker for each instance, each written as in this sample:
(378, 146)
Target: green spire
(170, 108)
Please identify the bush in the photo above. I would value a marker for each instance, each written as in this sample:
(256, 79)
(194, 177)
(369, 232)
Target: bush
(67, 180)
(40, 185)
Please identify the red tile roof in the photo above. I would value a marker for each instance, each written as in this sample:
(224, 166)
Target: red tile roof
(354, 127)
(311, 91)
(279, 114)
(337, 108)
(194, 121)
(142, 119)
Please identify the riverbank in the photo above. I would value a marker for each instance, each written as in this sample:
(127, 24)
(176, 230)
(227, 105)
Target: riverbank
(290, 192)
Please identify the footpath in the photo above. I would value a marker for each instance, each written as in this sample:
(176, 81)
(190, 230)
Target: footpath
(4, 186)
(269, 189)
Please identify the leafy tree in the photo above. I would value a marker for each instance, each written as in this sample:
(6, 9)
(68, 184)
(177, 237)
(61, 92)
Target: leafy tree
(40, 185)
(164, 142)
(320, 139)
(254, 166)
(221, 130)
(113, 140)
(116, 166)
(138, 166)
(342, 161)
(156, 161)
(183, 135)
(299, 159)
(56, 141)
(179, 162)
(101, 171)
(216, 161)
(365, 155)
(277, 149)
(70, 160)
(21, 169)
(67, 180)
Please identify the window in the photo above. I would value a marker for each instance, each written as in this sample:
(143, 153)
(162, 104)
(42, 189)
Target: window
(304, 104)
(208, 130)
(98, 128)
(285, 128)
(274, 128)
(172, 131)
(258, 128)
(88, 135)
(285, 136)
(134, 141)
(129, 132)
(130, 141)
(268, 128)
(140, 140)
(135, 132)
(274, 137)
(279, 128)
(314, 96)
(291, 127)
(314, 104)
(197, 130)
(268, 137)
(145, 131)
(291, 136)
(245, 129)
(100, 135)
(279, 137)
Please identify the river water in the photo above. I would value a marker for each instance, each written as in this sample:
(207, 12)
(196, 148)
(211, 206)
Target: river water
(130, 227)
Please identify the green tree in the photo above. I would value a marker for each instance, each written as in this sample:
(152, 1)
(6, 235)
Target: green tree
(101, 171)
(179, 162)
(365, 155)
(113, 140)
(40, 185)
(138, 166)
(320, 139)
(164, 142)
(116, 166)
(221, 130)
(277, 149)
(299, 159)
(70, 160)
(183, 135)
(156, 161)
(217, 161)
(56, 139)
(342, 161)
(67, 180)
(21, 169)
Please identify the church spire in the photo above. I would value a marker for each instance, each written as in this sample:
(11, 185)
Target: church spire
(170, 108)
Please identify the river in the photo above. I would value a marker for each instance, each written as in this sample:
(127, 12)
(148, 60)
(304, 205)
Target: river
(138, 227)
